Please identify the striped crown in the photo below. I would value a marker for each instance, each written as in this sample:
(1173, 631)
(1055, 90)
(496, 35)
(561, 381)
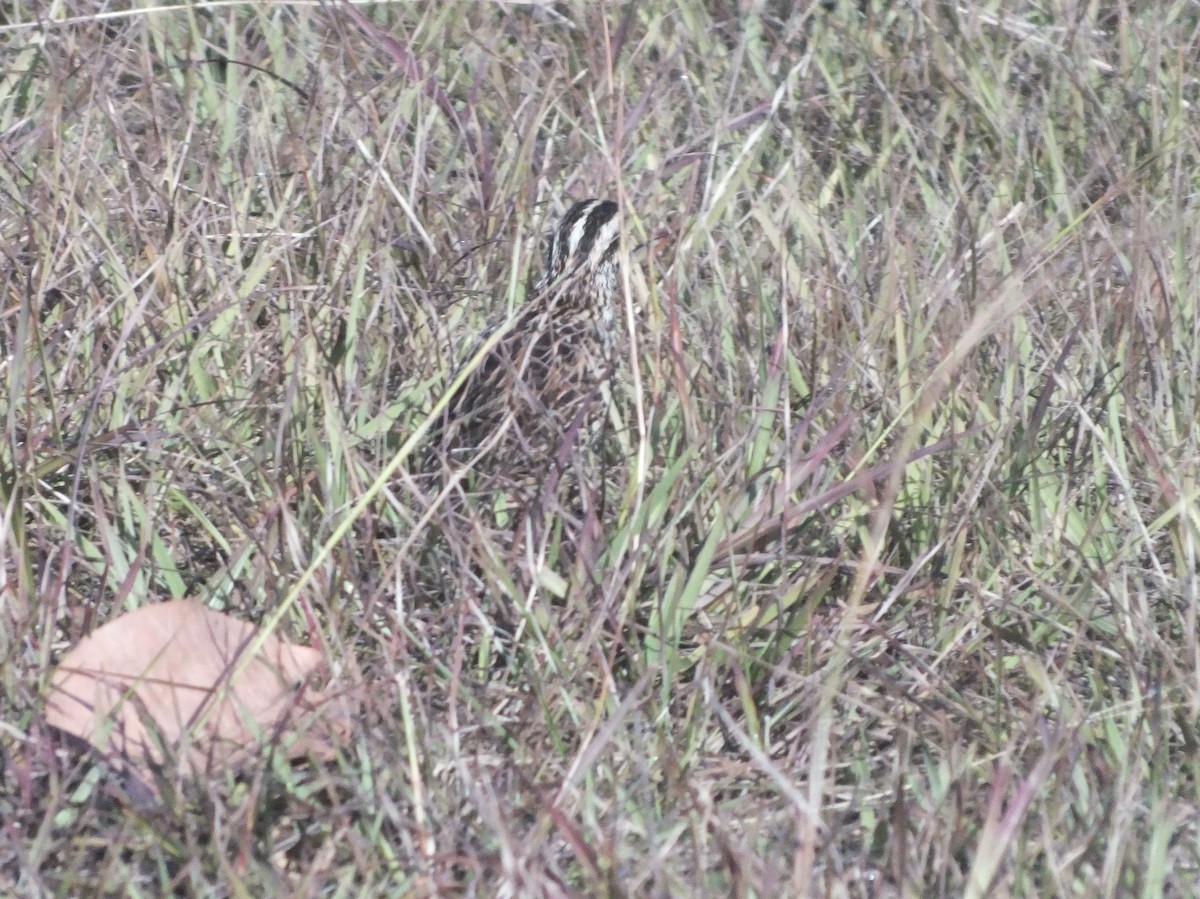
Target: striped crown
(584, 245)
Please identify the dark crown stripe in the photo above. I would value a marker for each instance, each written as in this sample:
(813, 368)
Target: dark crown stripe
(587, 234)
(596, 220)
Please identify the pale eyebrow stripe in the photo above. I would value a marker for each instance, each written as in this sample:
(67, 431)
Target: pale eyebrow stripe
(604, 240)
(579, 226)
(573, 231)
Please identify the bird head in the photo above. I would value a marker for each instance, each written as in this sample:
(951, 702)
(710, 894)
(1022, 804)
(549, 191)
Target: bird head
(584, 245)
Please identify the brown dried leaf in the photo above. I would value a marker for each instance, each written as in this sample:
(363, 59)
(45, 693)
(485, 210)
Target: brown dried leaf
(161, 676)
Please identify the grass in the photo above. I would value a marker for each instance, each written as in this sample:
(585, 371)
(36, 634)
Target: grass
(899, 596)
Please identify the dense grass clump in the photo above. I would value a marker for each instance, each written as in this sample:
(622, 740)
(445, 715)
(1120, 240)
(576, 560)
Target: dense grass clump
(896, 586)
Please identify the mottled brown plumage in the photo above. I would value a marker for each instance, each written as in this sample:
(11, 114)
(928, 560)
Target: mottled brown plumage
(537, 390)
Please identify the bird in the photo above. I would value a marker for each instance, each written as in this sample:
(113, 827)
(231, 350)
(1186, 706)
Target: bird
(537, 388)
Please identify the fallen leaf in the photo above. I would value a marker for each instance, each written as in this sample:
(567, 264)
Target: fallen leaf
(162, 678)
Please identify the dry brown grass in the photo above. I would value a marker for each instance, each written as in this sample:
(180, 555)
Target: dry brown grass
(900, 595)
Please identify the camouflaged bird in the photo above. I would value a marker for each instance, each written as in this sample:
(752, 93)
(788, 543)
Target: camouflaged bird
(537, 390)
